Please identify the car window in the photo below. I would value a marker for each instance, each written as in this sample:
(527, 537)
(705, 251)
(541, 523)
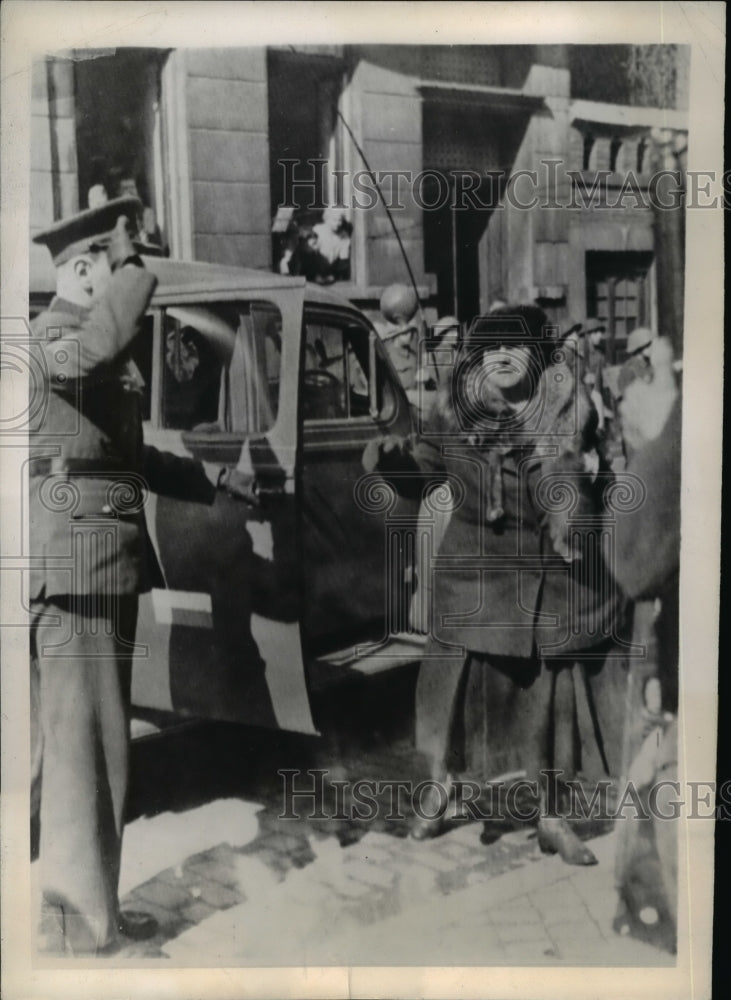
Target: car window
(218, 367)
(335, 382)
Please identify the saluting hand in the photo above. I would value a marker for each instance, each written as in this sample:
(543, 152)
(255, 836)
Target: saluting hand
(121, 247)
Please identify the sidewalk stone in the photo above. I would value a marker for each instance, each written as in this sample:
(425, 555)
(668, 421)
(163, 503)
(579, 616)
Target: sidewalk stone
(432, 859)
(448, 882)
(416, 885)
(370, 855)
(164, 896)
(347, 887)
(217, 895)
(306, 890)
(479, 876)
(181, 877)
(456, 852)
(518, 913)
(214, 870)
(557, 901)
(370, 874)
(532, 933)
(566, 913)
(275, 861)
(197, 911)
(374, 907)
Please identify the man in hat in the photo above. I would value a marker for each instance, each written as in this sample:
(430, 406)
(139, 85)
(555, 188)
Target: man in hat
(90, 558)
(401, 331)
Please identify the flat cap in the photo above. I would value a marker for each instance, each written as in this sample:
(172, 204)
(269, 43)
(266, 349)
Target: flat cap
(88, 230)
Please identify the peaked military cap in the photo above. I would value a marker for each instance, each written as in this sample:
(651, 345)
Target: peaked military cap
(89, 230)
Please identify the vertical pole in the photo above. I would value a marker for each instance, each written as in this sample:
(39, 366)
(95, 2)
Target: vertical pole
(453, 231)
(52, 119)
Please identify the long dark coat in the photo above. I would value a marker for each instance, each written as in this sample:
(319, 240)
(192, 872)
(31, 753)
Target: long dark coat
(501, 584)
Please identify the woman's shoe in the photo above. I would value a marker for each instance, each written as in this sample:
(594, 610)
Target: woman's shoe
(433, 807)
(555, 836)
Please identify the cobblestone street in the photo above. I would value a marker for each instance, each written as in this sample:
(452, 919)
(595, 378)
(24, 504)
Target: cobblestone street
(231, 883)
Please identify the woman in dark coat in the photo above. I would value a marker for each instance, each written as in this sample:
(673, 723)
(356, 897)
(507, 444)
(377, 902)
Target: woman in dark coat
(521, 597)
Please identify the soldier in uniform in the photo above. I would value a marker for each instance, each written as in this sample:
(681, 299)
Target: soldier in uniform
(91, 558)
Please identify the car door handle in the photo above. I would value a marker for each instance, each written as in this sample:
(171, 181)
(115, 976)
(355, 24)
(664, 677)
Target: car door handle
(254, 489)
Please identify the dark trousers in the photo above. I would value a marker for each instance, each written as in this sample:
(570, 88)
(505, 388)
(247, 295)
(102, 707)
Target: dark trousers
(81, 676)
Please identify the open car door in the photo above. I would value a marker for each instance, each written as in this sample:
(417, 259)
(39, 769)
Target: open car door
(221, 639)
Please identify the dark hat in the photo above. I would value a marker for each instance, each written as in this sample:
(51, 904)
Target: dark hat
(89, 230)
(594, 326)
(519, 325)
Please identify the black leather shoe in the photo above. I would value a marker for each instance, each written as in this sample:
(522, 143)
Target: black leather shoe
(137, 926)
(431, 825)
(491, 833)
(555, 836)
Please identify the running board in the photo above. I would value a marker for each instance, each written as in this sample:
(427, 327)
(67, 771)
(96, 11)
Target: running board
(368, 659)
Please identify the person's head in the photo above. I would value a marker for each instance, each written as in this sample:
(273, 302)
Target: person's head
(446, 330)
(128, 187)
(509, 343)
(78, 248)
(399, 304)
(595, 331)
(182, 353)
(333, 218)
(639, 342)
(500, 361)
(97, 196)
(84, 278)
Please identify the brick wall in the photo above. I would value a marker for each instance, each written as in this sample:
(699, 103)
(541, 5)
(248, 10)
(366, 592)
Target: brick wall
(226, 108)
(387, 109)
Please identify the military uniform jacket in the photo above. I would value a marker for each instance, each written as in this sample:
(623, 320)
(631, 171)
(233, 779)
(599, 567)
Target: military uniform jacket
(499, 584)
(90, 474)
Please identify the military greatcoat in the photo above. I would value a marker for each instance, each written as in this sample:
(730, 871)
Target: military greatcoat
(90, 558)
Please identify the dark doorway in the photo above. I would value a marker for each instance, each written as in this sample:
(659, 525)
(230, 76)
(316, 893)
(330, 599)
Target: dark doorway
(470, 145)
(453, 232)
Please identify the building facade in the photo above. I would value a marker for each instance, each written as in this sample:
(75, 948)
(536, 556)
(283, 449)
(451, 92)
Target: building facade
(500, 174)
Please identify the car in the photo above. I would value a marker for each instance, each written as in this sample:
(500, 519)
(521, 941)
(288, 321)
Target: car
(266, 603)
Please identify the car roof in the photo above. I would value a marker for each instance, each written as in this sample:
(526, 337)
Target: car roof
(192, 277)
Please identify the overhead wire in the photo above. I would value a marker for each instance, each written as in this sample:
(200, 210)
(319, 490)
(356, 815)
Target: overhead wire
(369, 170)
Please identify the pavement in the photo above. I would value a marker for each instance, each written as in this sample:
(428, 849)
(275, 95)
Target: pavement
(233, 884)
(284, 895)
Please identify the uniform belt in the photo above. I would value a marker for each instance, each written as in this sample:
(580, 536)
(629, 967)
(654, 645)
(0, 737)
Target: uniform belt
(71, 466)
